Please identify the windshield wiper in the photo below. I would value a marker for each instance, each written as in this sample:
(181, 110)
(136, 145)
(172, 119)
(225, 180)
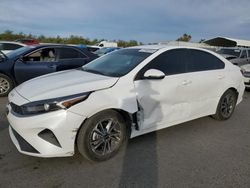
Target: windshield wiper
(93, 71)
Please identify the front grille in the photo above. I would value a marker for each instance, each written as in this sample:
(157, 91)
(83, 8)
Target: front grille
(17, 109)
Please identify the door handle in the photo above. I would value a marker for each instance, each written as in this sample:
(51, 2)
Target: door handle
(186, 82)
(52, 66)
(221, 77)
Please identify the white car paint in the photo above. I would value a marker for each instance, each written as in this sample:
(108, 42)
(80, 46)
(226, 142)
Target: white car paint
(158, 103)
(63, 84)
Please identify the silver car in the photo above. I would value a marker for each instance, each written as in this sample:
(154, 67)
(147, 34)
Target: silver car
(238, 56)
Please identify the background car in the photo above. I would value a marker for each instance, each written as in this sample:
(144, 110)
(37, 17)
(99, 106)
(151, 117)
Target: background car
(28, 41)
(238, 56)
(7, 46)
(245, 69)
(105, 50)
(32, 61)
(89, 48)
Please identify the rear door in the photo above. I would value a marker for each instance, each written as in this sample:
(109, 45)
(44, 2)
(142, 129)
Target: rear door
(207, 82)
(70, 58)
(36, 63)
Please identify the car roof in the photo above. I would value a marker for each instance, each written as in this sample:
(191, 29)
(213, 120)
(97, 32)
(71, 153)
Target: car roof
(166, 47)
(53, 45)
(84, 50)
(13, 42)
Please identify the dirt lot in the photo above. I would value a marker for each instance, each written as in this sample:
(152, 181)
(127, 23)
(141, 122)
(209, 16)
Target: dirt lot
(200, 153)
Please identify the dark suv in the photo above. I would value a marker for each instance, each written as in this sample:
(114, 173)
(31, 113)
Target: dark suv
(238, 56)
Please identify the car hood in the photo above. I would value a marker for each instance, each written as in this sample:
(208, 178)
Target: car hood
(246, 67)
(228, 56)
(62, 84)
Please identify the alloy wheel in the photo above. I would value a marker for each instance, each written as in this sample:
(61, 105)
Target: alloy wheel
(105, 137)
(227, 105)
(4, 85)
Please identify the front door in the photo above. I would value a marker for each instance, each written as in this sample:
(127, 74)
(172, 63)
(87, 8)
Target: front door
(165, 100)
(35, 64)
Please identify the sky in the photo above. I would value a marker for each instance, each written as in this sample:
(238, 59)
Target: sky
(147, 21)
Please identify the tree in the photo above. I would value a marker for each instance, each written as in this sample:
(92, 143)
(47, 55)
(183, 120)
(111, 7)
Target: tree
(73, 39)
(185, 38)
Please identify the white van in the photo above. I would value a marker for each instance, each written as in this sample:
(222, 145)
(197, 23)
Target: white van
(107, 44)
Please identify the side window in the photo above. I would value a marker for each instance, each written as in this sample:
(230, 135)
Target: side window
(81, 55)
(44, 55)
(248, 51)
(7, 46)
(69, 53)
(170, 62)
(243, 54)
(202, 61)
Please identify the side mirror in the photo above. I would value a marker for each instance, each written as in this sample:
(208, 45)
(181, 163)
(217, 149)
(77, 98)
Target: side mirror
(154, 74)
(2, 56)
(20, 58)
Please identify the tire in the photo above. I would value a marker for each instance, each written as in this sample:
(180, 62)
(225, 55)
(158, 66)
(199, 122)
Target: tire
(226, 105)
(97, 141)
(6, 85)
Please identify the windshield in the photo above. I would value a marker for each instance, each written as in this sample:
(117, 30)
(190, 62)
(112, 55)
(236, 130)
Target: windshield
(234, 52)
(18, 51)
(118, 63)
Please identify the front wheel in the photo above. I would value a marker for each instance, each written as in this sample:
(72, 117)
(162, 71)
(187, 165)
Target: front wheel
(226, 105)
(102, 135)
(6, 85)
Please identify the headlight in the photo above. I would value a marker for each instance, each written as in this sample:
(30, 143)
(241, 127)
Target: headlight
(245, 73)
(50, 105)
(242, 70)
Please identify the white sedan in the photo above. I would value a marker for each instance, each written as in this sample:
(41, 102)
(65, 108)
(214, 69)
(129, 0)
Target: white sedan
(8, 46)
(121, 95)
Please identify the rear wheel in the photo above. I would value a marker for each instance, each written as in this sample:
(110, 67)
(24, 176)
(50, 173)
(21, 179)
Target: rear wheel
(102, 135)
(226, 105)
(6, 85)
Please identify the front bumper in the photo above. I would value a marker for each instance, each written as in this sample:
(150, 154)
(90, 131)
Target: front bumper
(247, 82)
(47, 135)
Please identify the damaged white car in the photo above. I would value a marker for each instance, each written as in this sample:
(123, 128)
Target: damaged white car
(121, 95)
